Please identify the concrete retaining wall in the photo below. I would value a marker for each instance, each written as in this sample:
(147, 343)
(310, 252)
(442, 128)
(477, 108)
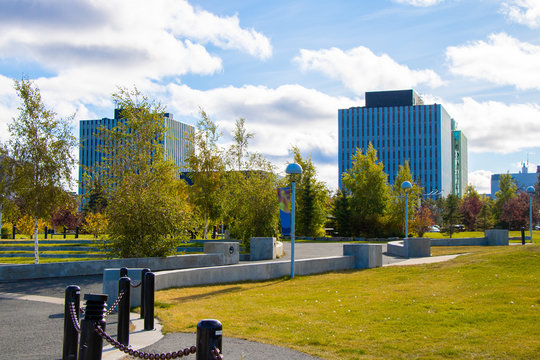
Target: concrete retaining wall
(410, 248)
(459, 242)
(95, 267)
(250, 272)
(262, 248)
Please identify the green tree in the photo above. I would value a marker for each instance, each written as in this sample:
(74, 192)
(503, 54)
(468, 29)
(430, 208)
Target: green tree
(147, 206)
(369, 192)
(250, 206)
(450, 214)
(312, 198)
(508, 189)
(342, 214)
(397, 205)
(485, 217)
(40, 146)
(207, 167)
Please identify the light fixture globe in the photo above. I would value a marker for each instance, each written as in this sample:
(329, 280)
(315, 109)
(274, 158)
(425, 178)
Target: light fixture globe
(293, 169)
(406, 185)
(530, 190)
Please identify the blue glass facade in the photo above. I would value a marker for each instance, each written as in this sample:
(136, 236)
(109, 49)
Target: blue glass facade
(420, 134)
(176, 145)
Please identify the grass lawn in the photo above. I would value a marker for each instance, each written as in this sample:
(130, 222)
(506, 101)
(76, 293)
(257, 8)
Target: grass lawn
(485, 305)
(471, 234)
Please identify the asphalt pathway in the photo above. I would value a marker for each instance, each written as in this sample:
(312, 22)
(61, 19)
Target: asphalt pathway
(31, 313)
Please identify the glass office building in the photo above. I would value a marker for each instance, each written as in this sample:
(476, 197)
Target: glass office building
(402, 128)
(175, 143)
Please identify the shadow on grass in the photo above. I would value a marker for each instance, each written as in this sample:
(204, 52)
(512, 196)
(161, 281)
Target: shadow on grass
(232, 289)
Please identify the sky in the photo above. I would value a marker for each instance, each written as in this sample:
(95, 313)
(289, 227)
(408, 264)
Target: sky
(287, 67)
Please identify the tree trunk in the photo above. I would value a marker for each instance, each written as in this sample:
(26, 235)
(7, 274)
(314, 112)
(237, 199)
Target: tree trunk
(36, 254)
(205, 226)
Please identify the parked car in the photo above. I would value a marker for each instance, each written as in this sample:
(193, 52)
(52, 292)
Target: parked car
(459, 228)
(434, 228)
(536, 227)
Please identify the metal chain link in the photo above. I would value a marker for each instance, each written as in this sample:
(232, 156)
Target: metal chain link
(136, 285)
(115, 304)
(216, 354)
(76, 324)
(142, 354)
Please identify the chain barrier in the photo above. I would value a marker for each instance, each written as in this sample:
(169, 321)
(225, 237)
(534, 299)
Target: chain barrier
(135, 285)
(216, 354)
(115, 304)
(142, 354)
(76, 324)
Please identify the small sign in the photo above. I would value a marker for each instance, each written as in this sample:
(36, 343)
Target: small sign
(219, 332)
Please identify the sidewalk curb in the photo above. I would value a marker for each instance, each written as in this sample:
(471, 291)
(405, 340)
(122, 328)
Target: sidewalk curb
(138, 338)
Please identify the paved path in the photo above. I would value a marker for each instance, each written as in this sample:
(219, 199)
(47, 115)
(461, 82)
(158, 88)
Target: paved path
(32, 316)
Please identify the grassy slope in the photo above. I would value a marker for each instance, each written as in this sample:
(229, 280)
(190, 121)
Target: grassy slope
(484, 305)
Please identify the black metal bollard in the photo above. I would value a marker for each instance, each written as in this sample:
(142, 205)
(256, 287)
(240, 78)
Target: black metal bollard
(522, 235)
(143, 273)
(91, 346)
(71, 336)
(124, 285)
(209, 333)
(76, 232)
(46, 230)
(149, 287)
(123, 272)
(13, 230)
(65, 232)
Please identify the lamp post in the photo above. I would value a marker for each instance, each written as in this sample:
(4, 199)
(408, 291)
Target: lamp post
(530, 191)
(406, 185)
(292, 169)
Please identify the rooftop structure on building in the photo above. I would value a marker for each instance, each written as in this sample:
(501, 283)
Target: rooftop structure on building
(402, 128)
(523, 179)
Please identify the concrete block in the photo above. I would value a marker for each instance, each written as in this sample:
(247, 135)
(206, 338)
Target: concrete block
(262, 248)
(229, 250)
(279, 249)
(397, 248)
(418, 247)
(497, 237)
(110, 285)
(366, 256)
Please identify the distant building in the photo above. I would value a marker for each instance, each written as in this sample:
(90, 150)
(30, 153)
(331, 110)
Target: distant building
(523, 179)
(175, 143)
(402, 128)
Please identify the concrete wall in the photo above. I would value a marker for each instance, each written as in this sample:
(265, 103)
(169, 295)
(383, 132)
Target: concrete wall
(95, 267)
(366, 256)
(459, 242)
(250, 272)
(410, 248)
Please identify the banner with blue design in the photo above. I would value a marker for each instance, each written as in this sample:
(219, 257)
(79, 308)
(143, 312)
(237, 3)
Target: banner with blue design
(284, 196)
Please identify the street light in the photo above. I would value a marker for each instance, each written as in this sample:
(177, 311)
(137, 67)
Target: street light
(530, 191)
(406, 185)
(292, 169)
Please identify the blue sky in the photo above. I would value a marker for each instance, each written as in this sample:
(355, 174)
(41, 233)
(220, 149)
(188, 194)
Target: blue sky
(288, 66)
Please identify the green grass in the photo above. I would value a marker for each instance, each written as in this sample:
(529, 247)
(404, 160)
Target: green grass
(472, 234)
(485, 305)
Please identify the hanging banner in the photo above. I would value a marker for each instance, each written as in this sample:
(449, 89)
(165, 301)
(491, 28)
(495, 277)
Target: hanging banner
(284, 196)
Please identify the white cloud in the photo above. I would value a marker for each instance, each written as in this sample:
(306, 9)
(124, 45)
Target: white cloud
(280, 118)
(93, 46)
(419, 3)
(497, 127)
(526, 12)
(359, 69)
(481, 180)
(502, 60)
